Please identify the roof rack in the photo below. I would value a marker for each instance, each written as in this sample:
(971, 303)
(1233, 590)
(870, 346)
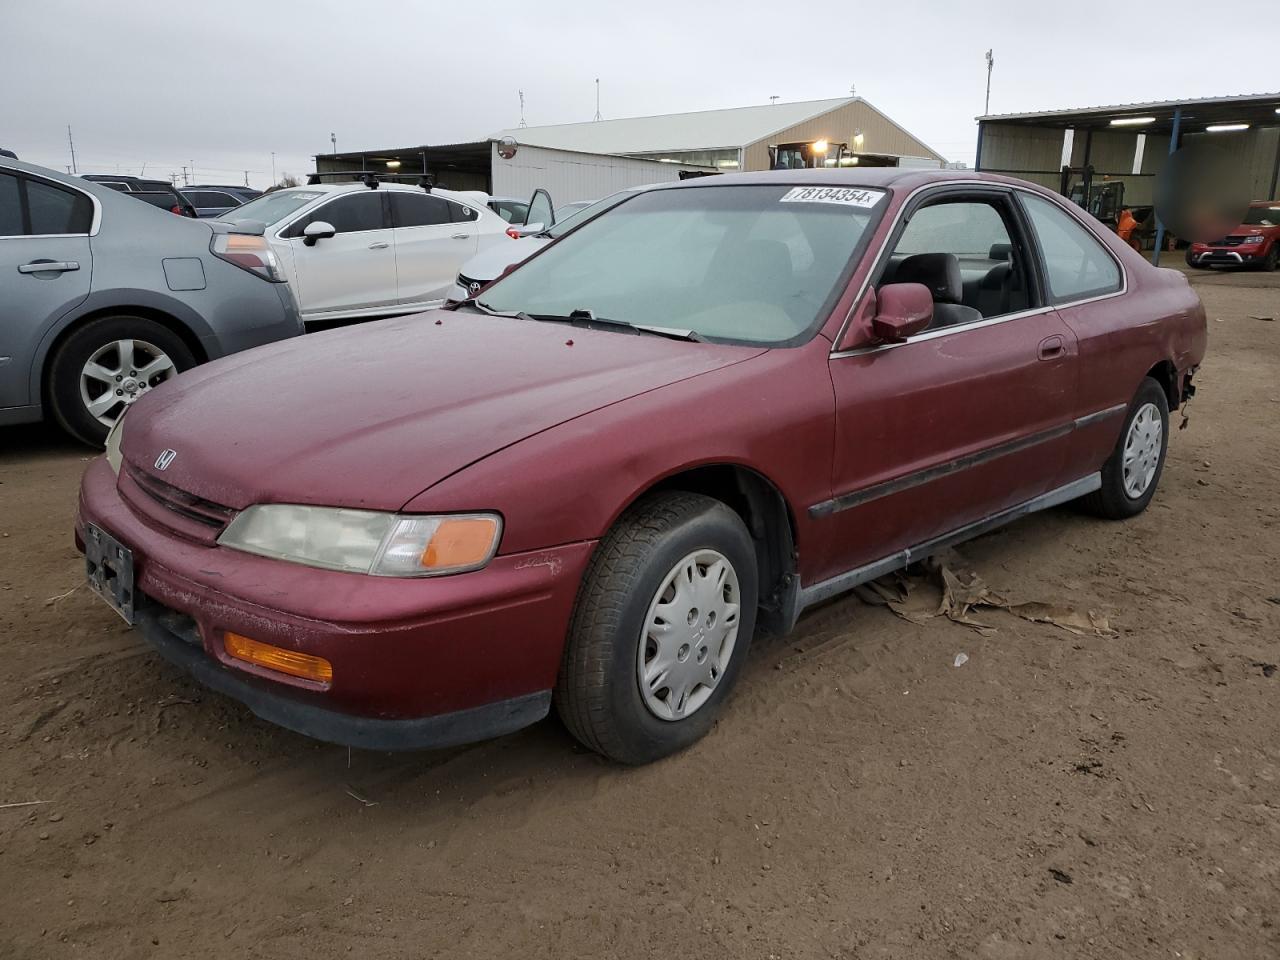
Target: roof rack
(371, 179)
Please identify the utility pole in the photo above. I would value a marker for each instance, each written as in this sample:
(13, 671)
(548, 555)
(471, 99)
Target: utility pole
(72, 144)
(991, 62)
(193, 171)
(246, 178)
(597, 116)
(274, 181)
(773, 101)
(185, 181)
(522, 123)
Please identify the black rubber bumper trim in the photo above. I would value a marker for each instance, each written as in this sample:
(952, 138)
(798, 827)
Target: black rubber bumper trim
(368, 733)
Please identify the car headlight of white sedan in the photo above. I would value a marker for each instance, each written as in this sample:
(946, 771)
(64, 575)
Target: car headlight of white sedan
(366, 541)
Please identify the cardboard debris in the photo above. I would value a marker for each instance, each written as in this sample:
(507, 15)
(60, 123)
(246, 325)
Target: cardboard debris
(939, 588)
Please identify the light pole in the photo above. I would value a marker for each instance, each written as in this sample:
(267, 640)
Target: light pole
(991, 62)
(274, 181)
(333, 139)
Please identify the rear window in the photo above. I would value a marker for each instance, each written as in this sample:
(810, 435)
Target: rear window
(210, 198)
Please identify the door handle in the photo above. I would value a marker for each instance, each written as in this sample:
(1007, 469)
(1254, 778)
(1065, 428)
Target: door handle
(462, 236)
(1051, 348)
(380, 245)
(48, 266)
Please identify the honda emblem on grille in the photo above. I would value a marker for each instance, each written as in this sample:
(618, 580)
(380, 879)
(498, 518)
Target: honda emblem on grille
(166, 457)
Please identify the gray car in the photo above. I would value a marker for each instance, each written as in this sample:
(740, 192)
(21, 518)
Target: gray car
(103, 298)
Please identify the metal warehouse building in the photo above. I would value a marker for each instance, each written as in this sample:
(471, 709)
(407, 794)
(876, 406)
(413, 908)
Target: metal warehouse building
(581, 161)
(1130, 142)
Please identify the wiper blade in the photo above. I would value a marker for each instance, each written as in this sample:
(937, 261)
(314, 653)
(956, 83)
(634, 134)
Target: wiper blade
(587, 318)
(486, 309)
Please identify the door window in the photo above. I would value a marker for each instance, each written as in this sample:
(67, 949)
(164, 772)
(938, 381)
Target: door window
(352, 213)
(963, 250)
(419, 210)
(1076, 263)
(54, 210)
(540, 209)
(10, 207)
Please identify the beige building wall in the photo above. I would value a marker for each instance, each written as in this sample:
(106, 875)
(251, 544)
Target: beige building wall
(880, 135)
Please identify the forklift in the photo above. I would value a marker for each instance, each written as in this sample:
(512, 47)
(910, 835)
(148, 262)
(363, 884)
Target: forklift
(808, 155)
(1103, 198)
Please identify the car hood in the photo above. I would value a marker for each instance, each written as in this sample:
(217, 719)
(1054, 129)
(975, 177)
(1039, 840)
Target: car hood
(488, 264)
(370, 416)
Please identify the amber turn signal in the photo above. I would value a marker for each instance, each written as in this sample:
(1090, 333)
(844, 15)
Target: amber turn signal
(292, 662)
(461, 542)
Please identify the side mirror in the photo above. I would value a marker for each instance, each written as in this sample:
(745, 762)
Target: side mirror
(319, 230)
(525, 230)
(902, 311)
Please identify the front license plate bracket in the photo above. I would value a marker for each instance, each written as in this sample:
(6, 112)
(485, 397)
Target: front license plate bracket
(109, 567)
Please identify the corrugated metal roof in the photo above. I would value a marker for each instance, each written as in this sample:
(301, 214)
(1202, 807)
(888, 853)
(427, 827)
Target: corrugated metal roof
(701, 130)
(1243, 99)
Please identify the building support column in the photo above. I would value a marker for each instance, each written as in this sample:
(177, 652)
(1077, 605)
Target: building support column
(1173, 146)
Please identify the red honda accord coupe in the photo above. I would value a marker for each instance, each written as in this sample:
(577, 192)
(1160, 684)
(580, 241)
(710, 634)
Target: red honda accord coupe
(707, 409)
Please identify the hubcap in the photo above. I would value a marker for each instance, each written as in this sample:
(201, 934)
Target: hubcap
(119, 373)
(1142, 449)
(689, 635)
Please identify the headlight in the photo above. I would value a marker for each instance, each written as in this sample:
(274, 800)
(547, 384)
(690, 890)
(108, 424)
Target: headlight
(365, 541)
(113, 442)
(1255, 238)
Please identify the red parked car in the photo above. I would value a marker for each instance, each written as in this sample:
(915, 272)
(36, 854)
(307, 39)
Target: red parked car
(719, 403)
(1255, 243)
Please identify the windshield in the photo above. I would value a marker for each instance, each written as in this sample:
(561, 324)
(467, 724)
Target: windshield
(753, 264)
(1263, 216)
(273, 207)
(577, 218)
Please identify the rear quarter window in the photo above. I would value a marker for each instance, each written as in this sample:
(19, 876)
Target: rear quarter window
(54, 210)
(1076, 264)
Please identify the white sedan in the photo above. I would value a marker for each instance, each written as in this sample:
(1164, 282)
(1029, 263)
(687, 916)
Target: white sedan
(354, 251)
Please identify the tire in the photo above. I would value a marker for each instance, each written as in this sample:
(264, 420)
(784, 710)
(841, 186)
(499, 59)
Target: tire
(598, 693)
(69, 387)
(1272, 259)
(1117, 498)
(1193, 265)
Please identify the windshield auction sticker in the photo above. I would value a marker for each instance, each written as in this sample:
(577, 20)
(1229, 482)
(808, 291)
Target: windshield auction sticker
(845, 196)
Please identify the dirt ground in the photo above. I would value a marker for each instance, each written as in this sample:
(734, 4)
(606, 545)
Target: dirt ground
(1056, 796)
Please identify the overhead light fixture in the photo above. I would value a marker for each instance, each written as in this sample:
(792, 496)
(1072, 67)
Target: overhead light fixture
(1225, 127)
(393, 164)
(1132, 121)
(819, 146)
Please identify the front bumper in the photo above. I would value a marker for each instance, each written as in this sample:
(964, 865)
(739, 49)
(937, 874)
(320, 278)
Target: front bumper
(1234, 257)
(416, 663)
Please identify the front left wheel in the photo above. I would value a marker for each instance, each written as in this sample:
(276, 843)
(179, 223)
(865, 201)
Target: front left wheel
(661, 627)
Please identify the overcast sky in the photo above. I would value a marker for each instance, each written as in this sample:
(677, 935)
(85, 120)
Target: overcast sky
(221, 86)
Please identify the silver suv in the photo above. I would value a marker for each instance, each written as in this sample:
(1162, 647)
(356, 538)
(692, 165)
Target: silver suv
(103, 298)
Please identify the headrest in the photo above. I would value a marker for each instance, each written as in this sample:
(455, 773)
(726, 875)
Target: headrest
(1000, 251)
(940, 272)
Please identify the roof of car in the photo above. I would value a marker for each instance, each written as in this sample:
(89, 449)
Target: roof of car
(882, 177)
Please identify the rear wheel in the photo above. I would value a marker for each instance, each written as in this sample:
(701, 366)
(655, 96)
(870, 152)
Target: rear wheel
(661, 628)
(1132, 472)
(105, 366)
